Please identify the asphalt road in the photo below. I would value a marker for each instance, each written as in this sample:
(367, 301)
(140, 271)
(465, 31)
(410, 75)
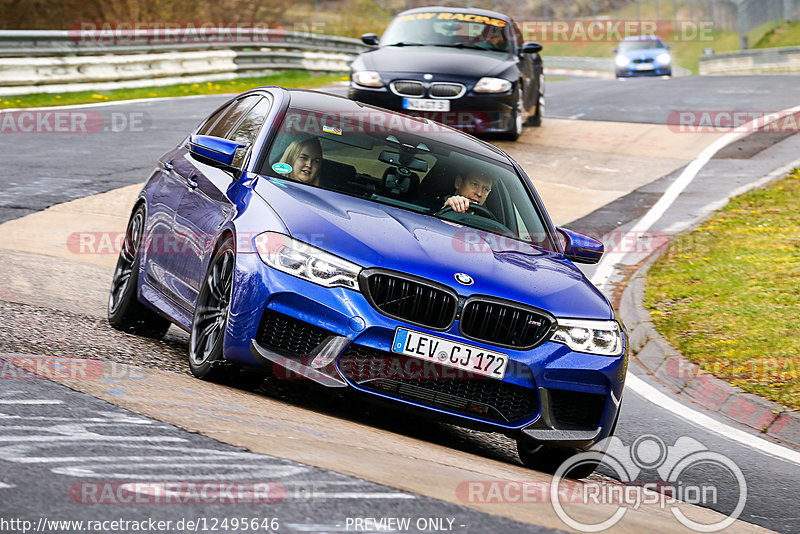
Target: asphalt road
(43, 169)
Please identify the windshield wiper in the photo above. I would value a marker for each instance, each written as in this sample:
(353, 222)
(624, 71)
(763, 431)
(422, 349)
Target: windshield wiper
(470, 47)
(407, 44)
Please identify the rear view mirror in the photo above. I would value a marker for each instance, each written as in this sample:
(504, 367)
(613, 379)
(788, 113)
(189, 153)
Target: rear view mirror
(531, 48)
(215, 149)
(393, 158)
(581, 248)
(370, 39)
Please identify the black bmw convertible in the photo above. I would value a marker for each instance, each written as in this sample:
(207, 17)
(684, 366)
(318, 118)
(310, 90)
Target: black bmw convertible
(467, 68)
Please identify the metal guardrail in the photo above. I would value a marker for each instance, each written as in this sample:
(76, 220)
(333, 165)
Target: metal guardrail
(69, 60)
(26, 43)
(55, 61)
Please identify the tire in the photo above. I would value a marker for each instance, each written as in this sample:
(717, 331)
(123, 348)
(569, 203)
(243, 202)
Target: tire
(517, 117)
(211, 317)
(536, 118)
(125, 312)
(547, 459)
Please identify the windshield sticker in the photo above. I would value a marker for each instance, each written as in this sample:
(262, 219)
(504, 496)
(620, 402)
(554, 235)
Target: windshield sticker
(331, 129)
(282, 168)
(466, 17)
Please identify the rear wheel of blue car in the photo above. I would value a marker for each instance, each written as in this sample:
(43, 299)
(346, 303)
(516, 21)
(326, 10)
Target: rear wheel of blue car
(125, 312)
(211, 316)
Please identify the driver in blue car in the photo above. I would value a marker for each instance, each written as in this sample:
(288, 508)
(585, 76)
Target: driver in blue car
(474, 187)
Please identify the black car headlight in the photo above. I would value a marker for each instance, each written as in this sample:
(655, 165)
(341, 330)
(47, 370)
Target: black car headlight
(367, 78)
(305, 261)
(492, 85)
(593, 337)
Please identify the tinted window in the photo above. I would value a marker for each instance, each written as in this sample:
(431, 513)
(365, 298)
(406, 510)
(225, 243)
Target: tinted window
(230, 117)
(466, 30)
(248, 129)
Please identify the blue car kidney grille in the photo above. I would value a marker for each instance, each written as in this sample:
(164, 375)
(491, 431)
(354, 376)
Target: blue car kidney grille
(289, 336)
(411, 301)
(476, 396)
(503, 324)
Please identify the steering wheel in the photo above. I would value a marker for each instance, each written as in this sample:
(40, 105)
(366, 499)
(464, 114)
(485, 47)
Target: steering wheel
(483, 211)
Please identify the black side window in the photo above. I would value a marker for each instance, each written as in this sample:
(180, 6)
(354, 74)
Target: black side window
(248, 129)
(224, 120)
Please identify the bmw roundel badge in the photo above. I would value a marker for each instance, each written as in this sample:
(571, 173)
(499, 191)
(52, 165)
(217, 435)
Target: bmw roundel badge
(464, 279)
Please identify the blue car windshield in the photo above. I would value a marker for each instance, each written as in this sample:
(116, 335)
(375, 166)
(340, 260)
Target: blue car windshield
(630, 46)
(394, 164)
(458, 30)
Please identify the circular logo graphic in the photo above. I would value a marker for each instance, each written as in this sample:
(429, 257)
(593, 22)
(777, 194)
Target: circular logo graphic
(282, 168)
(464, 279)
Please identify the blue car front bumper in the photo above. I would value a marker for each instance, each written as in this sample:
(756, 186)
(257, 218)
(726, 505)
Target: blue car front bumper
(336, 338)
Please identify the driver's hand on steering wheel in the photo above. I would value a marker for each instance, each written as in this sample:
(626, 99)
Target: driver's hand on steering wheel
(457, 203)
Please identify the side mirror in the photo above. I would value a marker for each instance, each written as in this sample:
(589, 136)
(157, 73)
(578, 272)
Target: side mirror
(370, 39)
(581, 248)
(531, 48)
(214, 149)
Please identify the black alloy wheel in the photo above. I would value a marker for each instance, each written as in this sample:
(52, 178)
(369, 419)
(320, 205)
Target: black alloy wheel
(125, 312)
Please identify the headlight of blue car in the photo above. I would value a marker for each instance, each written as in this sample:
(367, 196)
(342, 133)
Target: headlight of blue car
(594, 337)
(663, 59)
(305, 261)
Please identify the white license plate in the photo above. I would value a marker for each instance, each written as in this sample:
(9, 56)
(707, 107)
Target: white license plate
(425, 104)
(644, 66)
(475, 360)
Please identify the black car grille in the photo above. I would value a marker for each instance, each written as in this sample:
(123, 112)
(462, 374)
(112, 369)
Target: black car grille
(576, 410)
(647, 60)
(289, 336)
(408, 88)
(410, 300)
(433, 385)
(447, 90)
(504, 324)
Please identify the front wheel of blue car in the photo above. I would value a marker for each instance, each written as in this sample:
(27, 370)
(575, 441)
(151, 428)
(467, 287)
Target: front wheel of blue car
(211, 316)
(125, 312)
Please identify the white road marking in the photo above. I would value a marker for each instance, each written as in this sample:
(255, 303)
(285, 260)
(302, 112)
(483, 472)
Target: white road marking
(606, 268)
(30, 401)
(703, 421)
(3, 485)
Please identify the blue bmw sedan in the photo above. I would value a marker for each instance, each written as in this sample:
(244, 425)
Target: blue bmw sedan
(642, 55)
(300, 235)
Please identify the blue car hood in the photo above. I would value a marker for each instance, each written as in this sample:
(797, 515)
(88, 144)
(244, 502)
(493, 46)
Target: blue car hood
(377, 235)
(646, 53)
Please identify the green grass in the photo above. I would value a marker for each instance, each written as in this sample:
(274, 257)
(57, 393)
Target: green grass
(784, 34)
(727, 294)
(283, 79)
